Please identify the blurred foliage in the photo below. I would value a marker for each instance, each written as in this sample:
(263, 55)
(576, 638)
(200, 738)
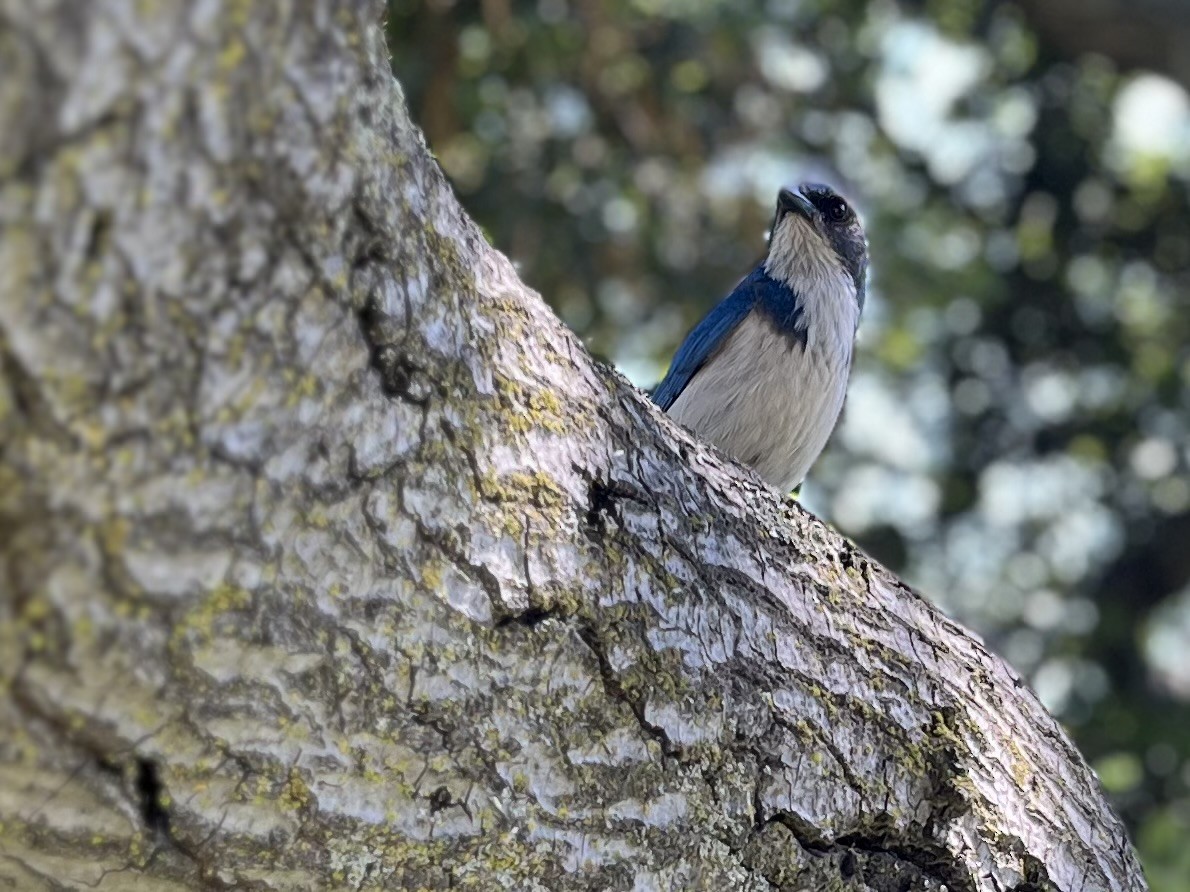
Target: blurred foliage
(1015, 440)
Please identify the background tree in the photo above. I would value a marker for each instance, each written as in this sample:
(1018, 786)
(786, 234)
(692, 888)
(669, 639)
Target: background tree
(1016, 438)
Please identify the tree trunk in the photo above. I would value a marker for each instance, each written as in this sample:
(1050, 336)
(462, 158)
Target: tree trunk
(1135, 34)
(330, 559)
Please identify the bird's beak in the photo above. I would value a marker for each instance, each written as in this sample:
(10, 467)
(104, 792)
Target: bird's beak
(793, 202)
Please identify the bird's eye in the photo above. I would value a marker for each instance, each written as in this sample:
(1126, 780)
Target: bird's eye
(837, 210)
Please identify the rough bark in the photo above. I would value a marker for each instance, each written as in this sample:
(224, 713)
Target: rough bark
(331, 560)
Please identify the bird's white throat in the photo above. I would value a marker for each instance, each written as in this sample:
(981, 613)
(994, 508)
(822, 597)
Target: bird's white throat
(800, 257)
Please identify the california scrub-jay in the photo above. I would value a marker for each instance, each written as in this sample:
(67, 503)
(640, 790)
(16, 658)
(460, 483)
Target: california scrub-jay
(764, 374)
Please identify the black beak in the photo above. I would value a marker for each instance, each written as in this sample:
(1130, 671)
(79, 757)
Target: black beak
(793, 202)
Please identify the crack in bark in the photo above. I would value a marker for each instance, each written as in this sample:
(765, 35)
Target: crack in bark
(529, 618)
(1037, 878)
(604, 516)
(138, 781)
(401, 376)
(822, 737)
(150, 793)
(867, 855)
(879, 838)
(614, 690)
(486, 579)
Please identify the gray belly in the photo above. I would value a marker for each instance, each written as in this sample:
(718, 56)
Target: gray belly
(766, 402)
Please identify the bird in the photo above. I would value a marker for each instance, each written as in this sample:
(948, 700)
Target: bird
(764, 375)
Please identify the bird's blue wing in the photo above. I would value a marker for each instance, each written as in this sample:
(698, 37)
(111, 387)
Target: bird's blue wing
(704, 340)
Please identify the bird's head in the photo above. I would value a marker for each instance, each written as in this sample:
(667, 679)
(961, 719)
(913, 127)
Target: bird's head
(817, 240)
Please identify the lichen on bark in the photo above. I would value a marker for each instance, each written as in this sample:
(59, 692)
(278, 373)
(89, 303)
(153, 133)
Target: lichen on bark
(330, 559)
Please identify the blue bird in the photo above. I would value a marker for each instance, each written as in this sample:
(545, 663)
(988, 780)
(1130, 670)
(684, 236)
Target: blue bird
(763, 376)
